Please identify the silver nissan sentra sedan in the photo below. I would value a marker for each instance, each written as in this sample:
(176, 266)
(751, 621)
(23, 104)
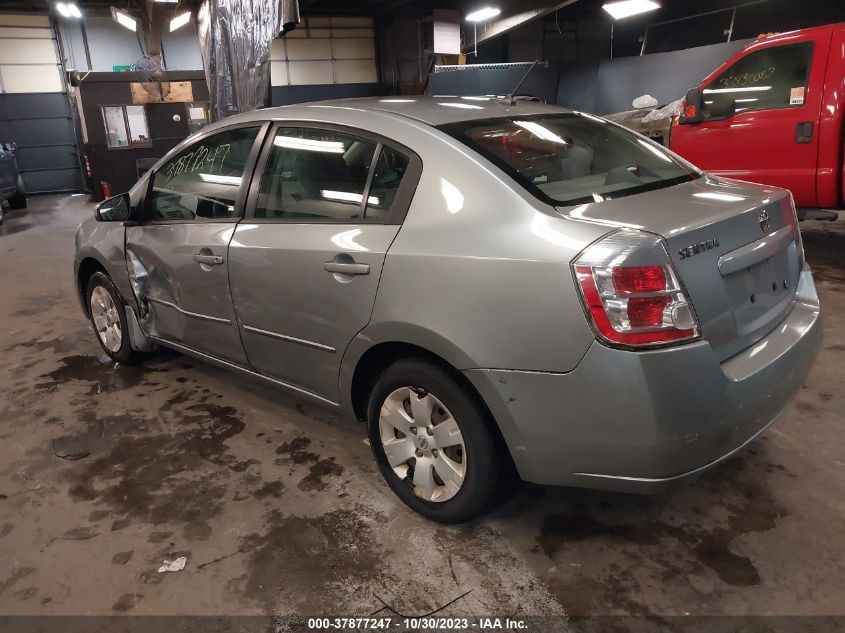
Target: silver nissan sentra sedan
(493, 287)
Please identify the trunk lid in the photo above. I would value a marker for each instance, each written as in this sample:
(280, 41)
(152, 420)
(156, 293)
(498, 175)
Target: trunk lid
(736, 247)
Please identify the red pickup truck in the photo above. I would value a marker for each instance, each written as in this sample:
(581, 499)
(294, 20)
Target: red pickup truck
(773, 114)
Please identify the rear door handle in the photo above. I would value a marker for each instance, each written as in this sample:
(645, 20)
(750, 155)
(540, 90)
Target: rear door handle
(347, 268)
(209, 260)
(804, 132)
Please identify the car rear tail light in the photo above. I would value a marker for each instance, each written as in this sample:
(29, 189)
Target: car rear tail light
(631, 291)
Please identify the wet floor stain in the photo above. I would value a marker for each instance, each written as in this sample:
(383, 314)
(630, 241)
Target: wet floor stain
(57, 345)
(159, 537)
(121, 558)
(288, 562)
(37, 305)
(158, 470)
(825, 252)
(269, 489)
(673, 548)
(99, 370)
(80, 534)
(296, 451)
(16, 575)
(127, 602)
(318, 472)
(8, 228)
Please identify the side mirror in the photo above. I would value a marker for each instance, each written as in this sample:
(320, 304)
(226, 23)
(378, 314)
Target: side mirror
(691, 111)
(114, 209)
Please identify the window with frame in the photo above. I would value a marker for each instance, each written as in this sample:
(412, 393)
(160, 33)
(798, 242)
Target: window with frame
(203, 181)
(126, 126)
(767, 79)
(198, 116)
(324, 175)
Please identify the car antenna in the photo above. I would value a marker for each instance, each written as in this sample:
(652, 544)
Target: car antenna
(511, 99)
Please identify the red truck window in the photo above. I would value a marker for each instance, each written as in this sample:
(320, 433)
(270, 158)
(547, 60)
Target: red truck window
(767, 79)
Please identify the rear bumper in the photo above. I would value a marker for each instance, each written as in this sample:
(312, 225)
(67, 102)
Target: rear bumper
(642, 421)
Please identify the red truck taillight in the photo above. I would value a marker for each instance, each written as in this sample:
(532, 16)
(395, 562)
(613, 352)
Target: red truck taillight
(632, 293)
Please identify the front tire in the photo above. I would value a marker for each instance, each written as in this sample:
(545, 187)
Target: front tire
(18, 201)
(433, 442)
(107, 313)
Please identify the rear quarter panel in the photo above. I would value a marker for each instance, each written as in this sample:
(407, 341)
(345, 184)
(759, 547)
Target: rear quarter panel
(479, 272)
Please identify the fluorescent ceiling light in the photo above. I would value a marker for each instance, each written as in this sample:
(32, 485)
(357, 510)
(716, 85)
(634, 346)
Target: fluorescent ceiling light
(720, 197)
(627, 8)
(180, 20)
(540, 132)
(235, 181)
(725, 90)
(476, 98)
(347, 196)
(482, 15)
(310, 145)
(167, 1)
(654, 150)
(464, 106)
(592, 117)
(124, 19)
(397, 100)
(68, 10)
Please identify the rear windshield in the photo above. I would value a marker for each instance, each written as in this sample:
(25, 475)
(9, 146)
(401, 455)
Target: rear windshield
(571, 158)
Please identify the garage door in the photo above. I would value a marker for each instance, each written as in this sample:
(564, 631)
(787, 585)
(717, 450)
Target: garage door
(34, 109)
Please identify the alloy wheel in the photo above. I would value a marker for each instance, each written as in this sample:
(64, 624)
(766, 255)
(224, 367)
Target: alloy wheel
(106, 319)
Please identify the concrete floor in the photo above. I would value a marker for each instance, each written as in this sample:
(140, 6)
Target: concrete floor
(279, 508)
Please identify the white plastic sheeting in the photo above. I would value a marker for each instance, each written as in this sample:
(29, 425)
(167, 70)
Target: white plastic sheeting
(235, 38)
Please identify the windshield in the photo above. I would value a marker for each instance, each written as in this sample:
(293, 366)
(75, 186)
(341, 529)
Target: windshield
(572, 158)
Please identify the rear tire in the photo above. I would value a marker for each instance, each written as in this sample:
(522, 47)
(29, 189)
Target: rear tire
(107, 313)
(450, 473)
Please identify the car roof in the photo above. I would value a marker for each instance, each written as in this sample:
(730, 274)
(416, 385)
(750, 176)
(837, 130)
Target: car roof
(432, 110)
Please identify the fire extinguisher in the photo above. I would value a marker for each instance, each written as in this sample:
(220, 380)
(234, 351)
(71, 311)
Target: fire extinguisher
(106, 189)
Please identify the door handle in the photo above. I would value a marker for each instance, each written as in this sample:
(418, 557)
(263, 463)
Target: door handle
(208, 260)
(345, 268)
(804, 132)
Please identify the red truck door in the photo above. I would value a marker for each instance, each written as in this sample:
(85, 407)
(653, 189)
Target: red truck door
(761, 115)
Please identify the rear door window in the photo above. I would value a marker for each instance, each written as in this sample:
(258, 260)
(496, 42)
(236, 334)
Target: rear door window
(387, 177)
(767, 79)
(316, 174)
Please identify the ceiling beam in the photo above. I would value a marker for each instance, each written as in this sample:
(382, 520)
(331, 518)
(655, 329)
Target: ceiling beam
(515, 13)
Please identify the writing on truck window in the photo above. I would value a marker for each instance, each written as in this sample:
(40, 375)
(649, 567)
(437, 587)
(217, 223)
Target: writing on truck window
(746, 79)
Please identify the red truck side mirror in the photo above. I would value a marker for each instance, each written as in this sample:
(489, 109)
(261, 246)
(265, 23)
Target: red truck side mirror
(691, 110)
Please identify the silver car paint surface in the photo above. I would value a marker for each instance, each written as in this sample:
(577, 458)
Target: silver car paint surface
(479, 274)
(189, 303)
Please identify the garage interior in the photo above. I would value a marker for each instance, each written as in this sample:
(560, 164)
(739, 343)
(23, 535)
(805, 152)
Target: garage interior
(108, 471)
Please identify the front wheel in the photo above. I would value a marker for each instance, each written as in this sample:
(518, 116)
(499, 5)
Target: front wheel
(107, 312)
(18, 201)
(433, 442)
